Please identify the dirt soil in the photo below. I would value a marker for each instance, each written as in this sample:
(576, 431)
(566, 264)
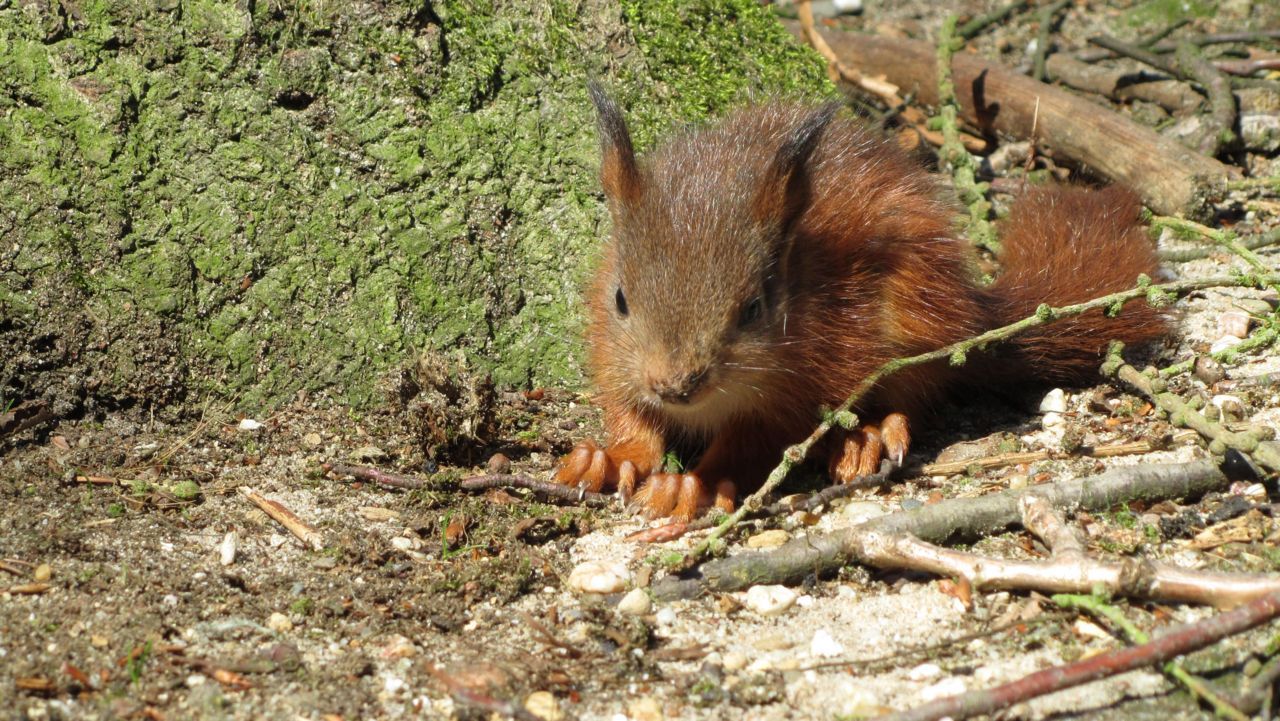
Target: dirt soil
(138, 581)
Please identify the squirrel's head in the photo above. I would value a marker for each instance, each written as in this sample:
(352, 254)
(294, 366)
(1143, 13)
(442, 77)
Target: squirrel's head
(691, 300)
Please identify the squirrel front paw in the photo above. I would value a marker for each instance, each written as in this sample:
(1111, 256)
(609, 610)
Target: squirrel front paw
(589, 467)
(682, 496)
(859, 452)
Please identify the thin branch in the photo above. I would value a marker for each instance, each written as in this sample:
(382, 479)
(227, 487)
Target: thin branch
(1252, 242)
(286, 518)
(953, 155)
(374, 475)
(1222, 102)
(982, 22)
(1047, 15)
(546, 489)
(1178, 641)
(956, 518)
(1173, 669)
(1254, 443)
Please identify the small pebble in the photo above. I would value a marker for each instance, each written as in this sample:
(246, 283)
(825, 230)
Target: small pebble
(771, 538)
(860, 511)
(279, 623)
(1208, 370)
(1234, 322)
(823, 645)
(403, 543)
(312, 439)
(42, 573)
(769, 600)
(924, 672)
(665, 616)
(946, 687)
(1223, 343)
(1018, 480)
(805, 601)
(1089, 629)
(374, 513)
(498, 463)
(1052, 420)
(734, 661)
(248, 424)
(227, 549)
(1055, 401)
(645, 709)
(857, 702)
(635, 603)
(543, 705)
(1230, 407)
(599, 577)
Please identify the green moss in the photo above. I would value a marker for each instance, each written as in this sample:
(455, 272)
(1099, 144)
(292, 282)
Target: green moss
(246, 203)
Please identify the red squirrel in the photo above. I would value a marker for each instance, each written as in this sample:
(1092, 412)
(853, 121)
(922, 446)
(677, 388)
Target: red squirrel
(760, 268)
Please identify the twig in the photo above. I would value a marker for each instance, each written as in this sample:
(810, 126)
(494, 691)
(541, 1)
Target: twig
(952, 154)
(373, 475)
(468, 696)
(1252, 242)
(1247, 67)
(956, 353)
(1261, 36)
(546, 489)
(980, 23)
(1222, 102)
(1263, 336)
(1012, 459)
(1262, 687)
(1039, 517)
(1132, 51)
(958, 518)
(1047, 15)
(1224, 238)
(1173, 669)
(1183, 639)
(1251, 443)
(286, 518)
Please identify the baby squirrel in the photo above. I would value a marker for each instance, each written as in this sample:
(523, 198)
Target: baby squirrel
(760, 268)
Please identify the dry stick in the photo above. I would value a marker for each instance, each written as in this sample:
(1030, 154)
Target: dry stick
(1265, 452)
(886, 92)
(1263, 36)
(286, 518)
(373, 475)
(1252, 242)
(978, 24)
(1122, 85)
(1262, 687)
(1247, 67)
(555, 491)
(1047, 15)
(957, 518)
(1039, 517)
(1173, 669)
(955, 352)
(1169, 177)
(1222, 102)
(1012, 459)
(1224, 238)
(1180, 640)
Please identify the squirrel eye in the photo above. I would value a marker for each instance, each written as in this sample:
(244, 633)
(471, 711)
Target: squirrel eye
(620, 301)
(751, 312)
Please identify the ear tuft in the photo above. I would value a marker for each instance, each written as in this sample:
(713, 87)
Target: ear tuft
(783, 189)
(619, 173)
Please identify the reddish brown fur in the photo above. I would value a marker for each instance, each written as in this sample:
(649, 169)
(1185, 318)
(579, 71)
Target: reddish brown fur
(865, 268)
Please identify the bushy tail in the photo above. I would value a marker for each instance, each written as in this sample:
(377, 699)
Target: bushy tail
(1065, 245)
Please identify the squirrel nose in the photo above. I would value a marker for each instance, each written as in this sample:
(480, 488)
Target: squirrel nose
(678, 388)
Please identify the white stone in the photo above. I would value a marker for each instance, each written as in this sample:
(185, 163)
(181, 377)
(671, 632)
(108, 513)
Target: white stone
(635, 603)
(279, 623)
(859, 511)
(248, 424)
(227, 549)
(665, 616)
(599, 577)
(946, 687)
(805, 601)
(1055, 401)
(1224, 343)
(734, 661)
(1234, 323)
(823, 645)
(543, 705)
(1052, 420)
(924, 672)
(771, 538)
(770, 600)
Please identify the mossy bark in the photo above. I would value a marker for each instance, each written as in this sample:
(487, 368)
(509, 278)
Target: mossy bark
(245, 199)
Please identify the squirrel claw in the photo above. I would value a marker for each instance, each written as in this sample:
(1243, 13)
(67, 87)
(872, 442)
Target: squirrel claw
(588, 467)
(859, 452)
(679, 496)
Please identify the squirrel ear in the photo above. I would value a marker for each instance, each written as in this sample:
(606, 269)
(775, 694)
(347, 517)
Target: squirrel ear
(783, 190)
(618, 171)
